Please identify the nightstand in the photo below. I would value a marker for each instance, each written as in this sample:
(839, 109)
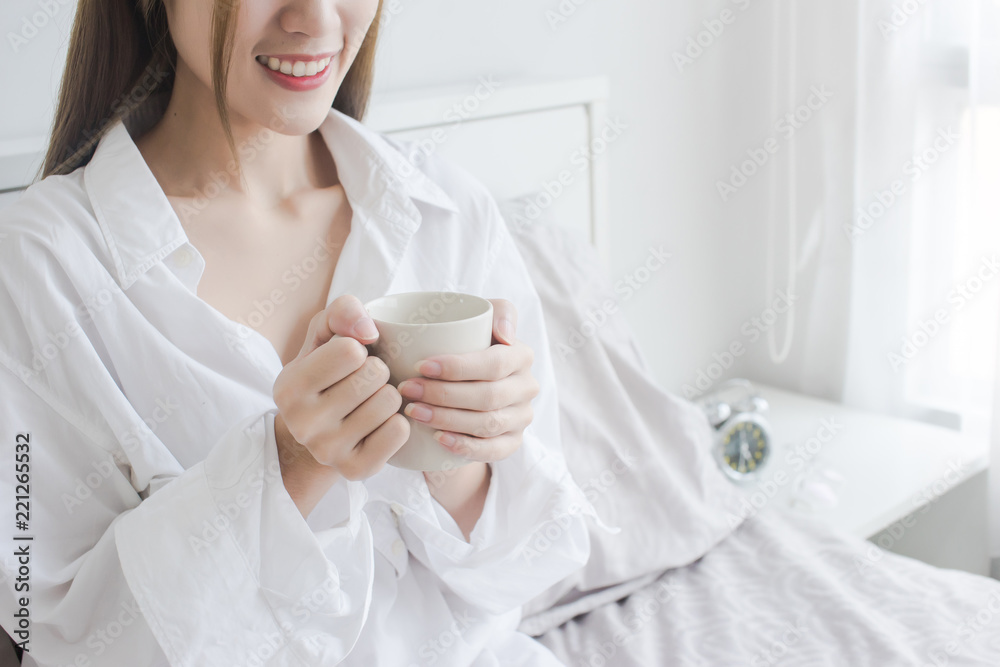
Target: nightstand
(912, 488)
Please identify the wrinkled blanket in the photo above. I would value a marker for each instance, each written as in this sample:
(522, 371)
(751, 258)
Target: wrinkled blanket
(783, 590)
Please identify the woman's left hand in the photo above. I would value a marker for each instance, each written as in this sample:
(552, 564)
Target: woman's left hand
(480, 400)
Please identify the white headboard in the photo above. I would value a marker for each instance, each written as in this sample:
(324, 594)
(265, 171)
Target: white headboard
(540, 138)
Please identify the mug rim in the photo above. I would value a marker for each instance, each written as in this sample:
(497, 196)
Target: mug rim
(488, 308)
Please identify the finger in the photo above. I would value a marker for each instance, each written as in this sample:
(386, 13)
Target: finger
(333, 438)
(345, 316)
(317, 334)
(325, 366)
(504, 320)
(494, 363)
(472, 394)
(304, 378)
(472, 422)
(487, 450)
(348, 317)
(376, 448)
(347, 395)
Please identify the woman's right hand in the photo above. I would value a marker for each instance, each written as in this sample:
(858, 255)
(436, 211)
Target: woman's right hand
(337, 414)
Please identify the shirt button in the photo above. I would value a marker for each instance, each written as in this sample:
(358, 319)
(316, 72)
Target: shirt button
(398, 547)
(182, 257)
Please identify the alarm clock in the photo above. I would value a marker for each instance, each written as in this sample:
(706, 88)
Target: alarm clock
(737, 414)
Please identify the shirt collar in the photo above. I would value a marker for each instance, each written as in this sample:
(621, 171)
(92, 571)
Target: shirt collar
(141, 227)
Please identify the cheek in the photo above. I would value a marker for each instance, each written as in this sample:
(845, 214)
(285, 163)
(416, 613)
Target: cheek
(190, 28)
(358, 16)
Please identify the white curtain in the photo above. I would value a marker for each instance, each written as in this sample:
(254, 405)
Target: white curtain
(884, 216)
(925, 238)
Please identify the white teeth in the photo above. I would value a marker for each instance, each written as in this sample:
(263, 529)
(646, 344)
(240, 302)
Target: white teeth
(295, 68)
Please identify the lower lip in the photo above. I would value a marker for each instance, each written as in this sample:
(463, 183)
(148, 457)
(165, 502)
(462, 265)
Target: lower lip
(299, 83)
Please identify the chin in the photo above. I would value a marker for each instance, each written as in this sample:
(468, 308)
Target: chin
(296, 119)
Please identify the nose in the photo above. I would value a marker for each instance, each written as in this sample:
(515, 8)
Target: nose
(314, 18)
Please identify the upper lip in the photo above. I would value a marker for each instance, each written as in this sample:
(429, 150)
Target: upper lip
(304, 57)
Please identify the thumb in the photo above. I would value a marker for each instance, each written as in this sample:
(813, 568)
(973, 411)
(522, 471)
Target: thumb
(345, 316)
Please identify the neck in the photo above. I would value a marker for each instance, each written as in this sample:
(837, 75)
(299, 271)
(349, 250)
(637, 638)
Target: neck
(188, 153)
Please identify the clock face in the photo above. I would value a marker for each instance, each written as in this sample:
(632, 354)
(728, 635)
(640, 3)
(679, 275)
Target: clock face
(744, 446)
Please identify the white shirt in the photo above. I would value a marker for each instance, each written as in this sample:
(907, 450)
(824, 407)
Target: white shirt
(163, 534)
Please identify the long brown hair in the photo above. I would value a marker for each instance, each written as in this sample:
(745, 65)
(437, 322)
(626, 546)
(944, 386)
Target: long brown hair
(120, 52)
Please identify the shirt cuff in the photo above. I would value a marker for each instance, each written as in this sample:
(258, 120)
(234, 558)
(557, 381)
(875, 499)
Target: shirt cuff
(226, 570)
(531, 533)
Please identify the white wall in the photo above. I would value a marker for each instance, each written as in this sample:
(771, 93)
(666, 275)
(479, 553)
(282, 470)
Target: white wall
(32, 55)
(687, 126)
(681, 128)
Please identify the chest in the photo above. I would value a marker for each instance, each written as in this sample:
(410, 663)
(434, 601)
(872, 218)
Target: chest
(272, 271)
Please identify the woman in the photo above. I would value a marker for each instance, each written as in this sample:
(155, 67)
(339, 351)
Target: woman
(203, 492)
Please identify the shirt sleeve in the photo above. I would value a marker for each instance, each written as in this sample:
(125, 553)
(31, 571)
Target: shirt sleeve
(217, 567)
(532, 531)
(212, 565)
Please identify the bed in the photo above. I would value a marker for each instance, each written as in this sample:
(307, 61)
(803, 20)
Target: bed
(690, 580)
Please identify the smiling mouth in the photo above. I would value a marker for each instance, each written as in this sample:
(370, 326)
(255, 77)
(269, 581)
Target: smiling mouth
(296, 68)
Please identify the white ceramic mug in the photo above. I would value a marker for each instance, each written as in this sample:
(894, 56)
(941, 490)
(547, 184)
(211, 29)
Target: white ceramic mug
(416, 325)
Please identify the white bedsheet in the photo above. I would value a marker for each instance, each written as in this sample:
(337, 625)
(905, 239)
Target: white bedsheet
(782, 590)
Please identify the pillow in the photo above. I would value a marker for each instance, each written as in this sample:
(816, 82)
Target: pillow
(641, 454)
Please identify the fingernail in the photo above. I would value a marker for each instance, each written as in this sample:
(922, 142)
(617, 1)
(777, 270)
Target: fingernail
(429, 368)
(506, 328)
(419, 412)
(365, 328)
(446, 439)
(412, 390)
